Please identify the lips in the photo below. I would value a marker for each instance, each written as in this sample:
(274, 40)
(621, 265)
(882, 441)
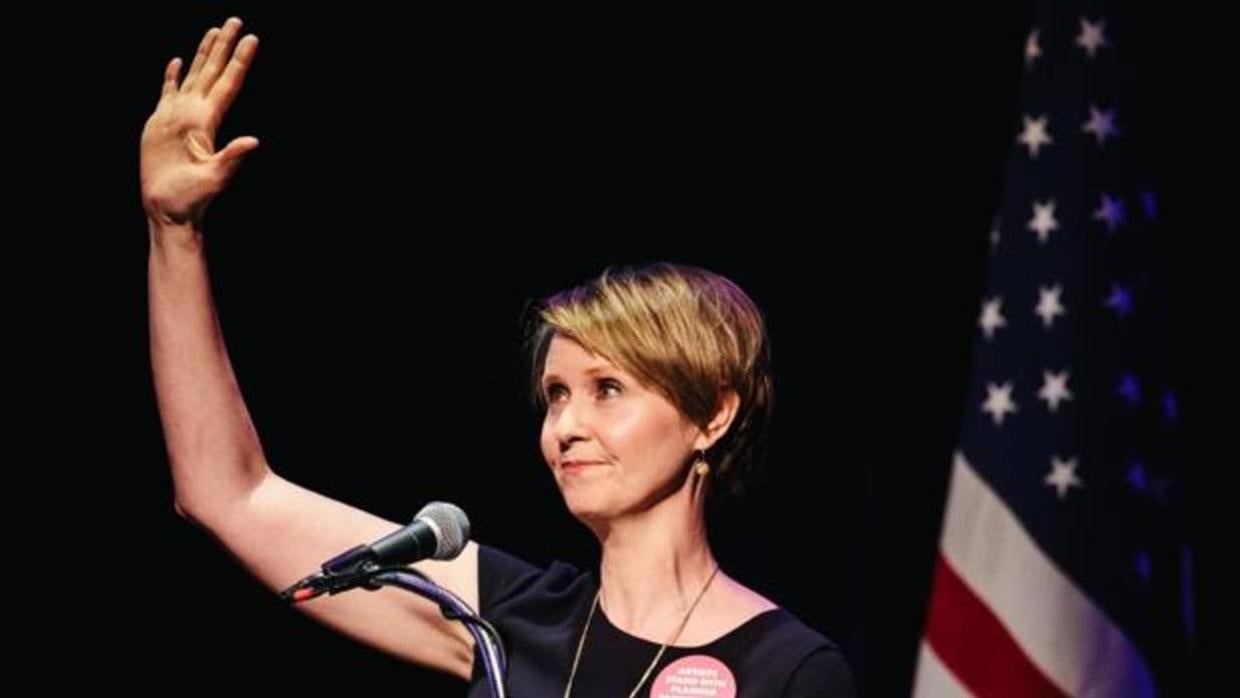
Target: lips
(569, 464)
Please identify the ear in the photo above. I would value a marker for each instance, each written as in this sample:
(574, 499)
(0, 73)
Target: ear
(729, 403)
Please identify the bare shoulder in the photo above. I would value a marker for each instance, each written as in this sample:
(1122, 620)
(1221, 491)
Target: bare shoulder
(730, 606)
(745, 603)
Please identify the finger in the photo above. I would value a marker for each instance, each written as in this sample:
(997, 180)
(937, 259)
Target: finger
(229, 84)
(170, 77)
(220, 53)
(231, 156)
(200, 58)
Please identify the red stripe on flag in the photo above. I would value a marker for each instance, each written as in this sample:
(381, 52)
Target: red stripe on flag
(971, 641)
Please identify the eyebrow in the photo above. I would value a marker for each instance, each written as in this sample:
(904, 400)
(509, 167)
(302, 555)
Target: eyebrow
(551, 377)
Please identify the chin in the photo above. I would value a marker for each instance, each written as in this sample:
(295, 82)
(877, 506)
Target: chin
(588, 508)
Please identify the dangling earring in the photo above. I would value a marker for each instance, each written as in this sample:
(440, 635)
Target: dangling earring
(701, 467)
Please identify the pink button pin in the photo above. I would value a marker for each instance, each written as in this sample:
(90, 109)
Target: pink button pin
(697, 676)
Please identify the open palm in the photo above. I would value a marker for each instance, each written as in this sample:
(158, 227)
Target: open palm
(181, 172)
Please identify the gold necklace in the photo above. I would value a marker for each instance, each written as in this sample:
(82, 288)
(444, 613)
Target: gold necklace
(582, 642)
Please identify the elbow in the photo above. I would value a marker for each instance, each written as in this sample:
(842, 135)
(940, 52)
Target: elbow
(185, 512)
(204, 500)
(196, 509)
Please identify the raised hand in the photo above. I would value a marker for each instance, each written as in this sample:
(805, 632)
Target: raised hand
(181, 172)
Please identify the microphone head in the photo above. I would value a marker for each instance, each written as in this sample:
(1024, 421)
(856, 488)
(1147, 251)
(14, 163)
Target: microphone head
(451, 528)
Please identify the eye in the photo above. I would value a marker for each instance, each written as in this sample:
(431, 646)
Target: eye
(606, 387)
(609, 384)
(553, 391)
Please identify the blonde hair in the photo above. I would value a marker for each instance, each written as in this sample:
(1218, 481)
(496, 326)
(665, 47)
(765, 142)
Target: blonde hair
(684, 331)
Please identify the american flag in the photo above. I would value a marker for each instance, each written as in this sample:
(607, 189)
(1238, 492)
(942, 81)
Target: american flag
(1063, 566)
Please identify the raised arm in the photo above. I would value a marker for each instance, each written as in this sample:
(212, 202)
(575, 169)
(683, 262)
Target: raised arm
(222, 480)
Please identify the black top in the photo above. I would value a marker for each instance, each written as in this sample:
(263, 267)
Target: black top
(540, 615)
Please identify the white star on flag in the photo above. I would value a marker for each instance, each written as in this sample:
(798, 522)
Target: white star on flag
(1054, 388)
(1049, 305)
(998, 401)
(1032, 49)
(1063, 476)
(1034, 135)
(991, 319)
(1101, 123)
(1043, 221)
(1091, 38)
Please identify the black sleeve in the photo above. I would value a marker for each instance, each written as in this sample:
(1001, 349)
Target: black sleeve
(499, 573)
(822, 674)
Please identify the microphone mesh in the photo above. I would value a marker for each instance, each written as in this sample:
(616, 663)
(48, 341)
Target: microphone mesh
(451, 526)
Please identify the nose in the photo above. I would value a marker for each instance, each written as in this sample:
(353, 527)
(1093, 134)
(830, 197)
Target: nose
(568, 422)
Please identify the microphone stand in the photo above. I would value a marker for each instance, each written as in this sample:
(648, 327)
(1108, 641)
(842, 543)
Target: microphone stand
(372, 577)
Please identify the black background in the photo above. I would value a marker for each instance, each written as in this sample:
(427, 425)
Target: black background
(423, 173)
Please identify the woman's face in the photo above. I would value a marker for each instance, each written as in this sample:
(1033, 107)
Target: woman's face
(633, 443)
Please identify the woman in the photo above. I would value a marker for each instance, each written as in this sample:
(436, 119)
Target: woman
(656, 389)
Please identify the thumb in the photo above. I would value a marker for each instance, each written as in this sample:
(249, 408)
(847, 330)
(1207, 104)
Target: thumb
(231, 156)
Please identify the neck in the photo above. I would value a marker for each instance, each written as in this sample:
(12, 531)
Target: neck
(654, 565)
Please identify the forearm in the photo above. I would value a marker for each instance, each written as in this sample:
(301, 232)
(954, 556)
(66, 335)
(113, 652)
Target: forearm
(213, 448)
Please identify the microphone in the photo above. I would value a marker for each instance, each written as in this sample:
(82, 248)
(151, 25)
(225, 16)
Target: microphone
(439, 531)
